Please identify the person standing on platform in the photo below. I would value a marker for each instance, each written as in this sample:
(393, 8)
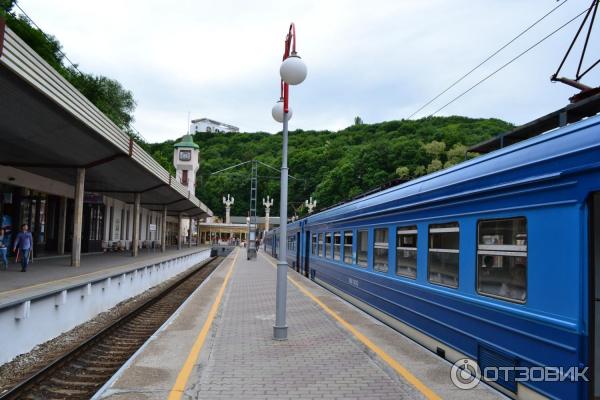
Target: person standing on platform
(3, 248)
(24, 242)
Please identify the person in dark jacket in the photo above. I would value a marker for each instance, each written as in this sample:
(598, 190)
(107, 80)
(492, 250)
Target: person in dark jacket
(24, 242)
(3, 248)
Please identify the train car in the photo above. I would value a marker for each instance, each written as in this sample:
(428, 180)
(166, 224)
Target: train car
(271, 242)
(496, 259)
(294, 231)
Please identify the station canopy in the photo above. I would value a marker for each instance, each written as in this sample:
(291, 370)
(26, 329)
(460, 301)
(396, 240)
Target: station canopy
(49, 128)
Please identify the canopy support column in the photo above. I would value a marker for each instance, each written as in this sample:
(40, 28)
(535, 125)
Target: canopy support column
(180, 234)
(163, 230)
(62, 225)
(78, 218)
(135, 237)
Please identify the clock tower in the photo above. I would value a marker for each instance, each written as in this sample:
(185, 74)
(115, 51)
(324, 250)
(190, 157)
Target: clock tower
(186, 162)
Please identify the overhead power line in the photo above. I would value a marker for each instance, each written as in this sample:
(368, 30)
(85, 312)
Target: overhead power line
(486, 59)
(509, 62)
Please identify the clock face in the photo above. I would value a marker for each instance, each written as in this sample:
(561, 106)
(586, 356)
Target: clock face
(185, 155)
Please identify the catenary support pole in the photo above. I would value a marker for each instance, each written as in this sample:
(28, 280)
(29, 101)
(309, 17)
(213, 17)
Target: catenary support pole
(280, 328)
(135, 236)
(78, 218)
(190, 230)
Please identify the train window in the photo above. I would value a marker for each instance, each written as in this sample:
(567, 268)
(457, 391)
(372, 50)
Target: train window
(443, 254)
(348, 247)
(327, 252)
(362, 246)
(380, 250)
(315, 246)
(337, 244)
(406, 251)
(502, 258)
(320, 249)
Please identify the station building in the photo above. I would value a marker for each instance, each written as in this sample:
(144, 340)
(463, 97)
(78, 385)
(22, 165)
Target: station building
(210, 125)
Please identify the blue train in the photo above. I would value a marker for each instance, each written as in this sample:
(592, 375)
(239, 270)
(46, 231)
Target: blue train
(496, 259)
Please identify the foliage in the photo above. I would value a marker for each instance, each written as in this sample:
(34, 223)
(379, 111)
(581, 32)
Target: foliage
(107, 94)
(358, 120)
(330, 166)
(403, 172)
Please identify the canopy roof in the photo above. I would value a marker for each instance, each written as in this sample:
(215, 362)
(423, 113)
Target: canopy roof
(49, 128)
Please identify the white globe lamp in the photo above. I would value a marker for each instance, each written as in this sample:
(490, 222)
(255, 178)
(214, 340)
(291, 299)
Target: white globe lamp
(277, 112)
(293, 70)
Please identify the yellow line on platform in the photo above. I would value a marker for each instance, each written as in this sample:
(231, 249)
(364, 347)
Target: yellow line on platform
(396, 366)
(184, 374)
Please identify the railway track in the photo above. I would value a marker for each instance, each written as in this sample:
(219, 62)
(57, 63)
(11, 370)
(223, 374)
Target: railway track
(79, 373)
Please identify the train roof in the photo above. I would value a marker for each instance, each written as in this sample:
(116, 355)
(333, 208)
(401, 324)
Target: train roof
(504, 165)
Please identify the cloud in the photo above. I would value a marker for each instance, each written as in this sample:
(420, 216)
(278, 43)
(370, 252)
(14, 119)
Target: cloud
(377, 59)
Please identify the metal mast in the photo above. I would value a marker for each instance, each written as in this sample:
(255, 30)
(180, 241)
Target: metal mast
(252, 225)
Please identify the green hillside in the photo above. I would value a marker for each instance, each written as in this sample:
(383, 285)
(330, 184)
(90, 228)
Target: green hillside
(330, 166)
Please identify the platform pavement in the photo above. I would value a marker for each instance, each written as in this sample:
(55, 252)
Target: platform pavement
(239, 359)
(51, 274)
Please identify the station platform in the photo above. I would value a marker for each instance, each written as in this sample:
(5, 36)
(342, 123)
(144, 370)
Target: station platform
(219, 345)
(52, 274)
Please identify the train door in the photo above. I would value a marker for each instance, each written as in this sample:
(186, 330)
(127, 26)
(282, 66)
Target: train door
(298, 251)
(307, 245)
(594, 277)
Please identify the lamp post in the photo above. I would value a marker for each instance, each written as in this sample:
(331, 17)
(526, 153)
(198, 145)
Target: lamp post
(293, 72)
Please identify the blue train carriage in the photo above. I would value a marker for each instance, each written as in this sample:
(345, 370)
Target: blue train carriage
(294, 247)
(271, 242)
(496, 259)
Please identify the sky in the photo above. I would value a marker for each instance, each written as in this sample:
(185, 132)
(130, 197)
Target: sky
(377, 59)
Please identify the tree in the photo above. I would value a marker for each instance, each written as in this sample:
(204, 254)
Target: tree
(456, 154)
(435, 165)
(358, 120)
(403, 172)
(331, 166)
(6, 6)
(435, 148)
(107, 94)
(419, 171)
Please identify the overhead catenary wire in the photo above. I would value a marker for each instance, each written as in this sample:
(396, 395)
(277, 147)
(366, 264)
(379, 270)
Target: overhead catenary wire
(508, 63)
(487, 59)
